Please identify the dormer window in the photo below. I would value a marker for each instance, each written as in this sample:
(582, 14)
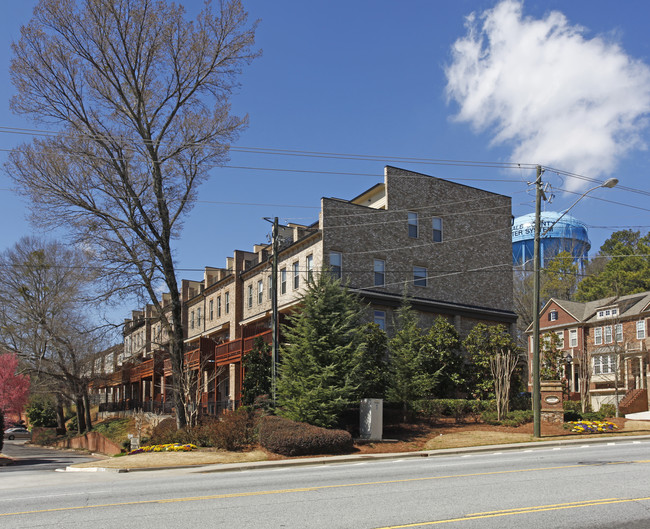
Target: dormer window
(553, 315)
(607, 313)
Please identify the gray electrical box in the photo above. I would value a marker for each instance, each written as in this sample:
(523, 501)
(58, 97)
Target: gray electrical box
(371, 423)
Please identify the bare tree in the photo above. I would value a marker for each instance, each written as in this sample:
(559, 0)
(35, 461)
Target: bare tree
(140, 95)
(44, 297)
(502, 366)
(584, 375)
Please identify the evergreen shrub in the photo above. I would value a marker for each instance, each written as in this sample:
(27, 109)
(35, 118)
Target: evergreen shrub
(513, 419)
(459, 409)
(607, 410)
(290, 438)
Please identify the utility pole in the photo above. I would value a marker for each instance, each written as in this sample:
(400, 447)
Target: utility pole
(274, 310)
(539, 195)
(536, 272)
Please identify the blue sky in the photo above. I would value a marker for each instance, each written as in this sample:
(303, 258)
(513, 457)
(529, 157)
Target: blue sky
(564, 84)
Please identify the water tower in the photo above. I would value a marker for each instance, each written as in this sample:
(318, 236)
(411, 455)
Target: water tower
(567, 235)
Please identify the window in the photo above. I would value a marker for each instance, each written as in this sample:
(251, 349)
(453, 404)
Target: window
(573, 338)
(640, 330)
(604, 364)
(270, 287)
(413, 224)
(380, 269)
(250, 296)
(192, 320)
(296, 275)
(618, 332)
(419, 276)
(553, 315)
(607, 313)
(608, 334)
(226, 302)
(437, 229)
(336, 264)
(598, 336)
(560, 339)
(260, 292)
(211, 309)
(219, 307)
(283, 281)
(310, 267)
(380, 319)
(198, 317)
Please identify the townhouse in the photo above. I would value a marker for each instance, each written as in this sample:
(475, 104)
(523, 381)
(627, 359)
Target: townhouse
(446, 246)
(604, 345)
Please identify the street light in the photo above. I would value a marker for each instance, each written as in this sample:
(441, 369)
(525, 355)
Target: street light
(609, 183)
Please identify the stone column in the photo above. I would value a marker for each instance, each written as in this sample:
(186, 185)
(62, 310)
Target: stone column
(552, 397)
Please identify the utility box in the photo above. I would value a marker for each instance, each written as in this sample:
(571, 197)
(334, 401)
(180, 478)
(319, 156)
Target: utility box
(371, 419)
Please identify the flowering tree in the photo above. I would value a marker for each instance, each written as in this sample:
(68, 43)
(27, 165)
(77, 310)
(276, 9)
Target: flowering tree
(14, 387)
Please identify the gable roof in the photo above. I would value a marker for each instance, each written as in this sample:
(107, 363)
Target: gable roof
(629, 306)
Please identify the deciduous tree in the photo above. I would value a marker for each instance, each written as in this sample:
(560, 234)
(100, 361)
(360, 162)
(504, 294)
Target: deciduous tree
(483, 343)
(45, 296)
(14, 386)
(139, 94)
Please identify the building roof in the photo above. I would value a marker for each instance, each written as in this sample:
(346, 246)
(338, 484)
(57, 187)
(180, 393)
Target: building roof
(628, 306)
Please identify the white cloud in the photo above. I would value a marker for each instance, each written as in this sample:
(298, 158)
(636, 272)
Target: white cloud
(544, 89)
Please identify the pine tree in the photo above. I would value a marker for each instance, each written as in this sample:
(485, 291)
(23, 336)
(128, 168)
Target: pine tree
(414, 371)
(626, 270)
(321, 340)
(370, 365)
(442, 355)
(257, 372)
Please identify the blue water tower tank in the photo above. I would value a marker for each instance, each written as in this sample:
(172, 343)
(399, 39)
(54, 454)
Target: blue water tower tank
(567, 234)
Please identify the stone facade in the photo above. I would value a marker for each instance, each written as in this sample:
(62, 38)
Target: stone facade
(458, 241)
(446, 246)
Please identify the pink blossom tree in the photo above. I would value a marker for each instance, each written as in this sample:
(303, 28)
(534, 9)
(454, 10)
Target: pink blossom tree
(14, 387)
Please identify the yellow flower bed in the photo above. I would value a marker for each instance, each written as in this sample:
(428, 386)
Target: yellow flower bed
(171, 447)
(592, 426)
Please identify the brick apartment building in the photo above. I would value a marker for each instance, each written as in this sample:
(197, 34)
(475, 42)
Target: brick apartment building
(609, 337)
(445, 245)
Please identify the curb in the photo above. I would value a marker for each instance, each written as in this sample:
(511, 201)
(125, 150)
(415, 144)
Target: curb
(333, 460)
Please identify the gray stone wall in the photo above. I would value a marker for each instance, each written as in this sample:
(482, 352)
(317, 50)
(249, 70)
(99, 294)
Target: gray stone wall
(471, 266)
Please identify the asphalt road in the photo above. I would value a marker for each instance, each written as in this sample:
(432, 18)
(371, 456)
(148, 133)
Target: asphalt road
(35, 458)
(593, 486)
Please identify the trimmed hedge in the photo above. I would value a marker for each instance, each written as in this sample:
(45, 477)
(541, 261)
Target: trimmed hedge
(573, 412)
(290, 438)
(513, 418)
(459, 409)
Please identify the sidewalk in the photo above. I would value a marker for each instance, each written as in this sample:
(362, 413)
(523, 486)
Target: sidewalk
(354, 458)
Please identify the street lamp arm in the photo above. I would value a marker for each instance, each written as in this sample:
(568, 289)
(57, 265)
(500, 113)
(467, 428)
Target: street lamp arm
(610, 182)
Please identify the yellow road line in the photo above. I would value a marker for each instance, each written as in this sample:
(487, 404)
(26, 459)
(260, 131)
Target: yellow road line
(320, 487)
(523, 510)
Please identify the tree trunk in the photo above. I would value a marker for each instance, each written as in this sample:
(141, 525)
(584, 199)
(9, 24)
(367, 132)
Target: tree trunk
(89, 423)
(81, 418)
(60, 414)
